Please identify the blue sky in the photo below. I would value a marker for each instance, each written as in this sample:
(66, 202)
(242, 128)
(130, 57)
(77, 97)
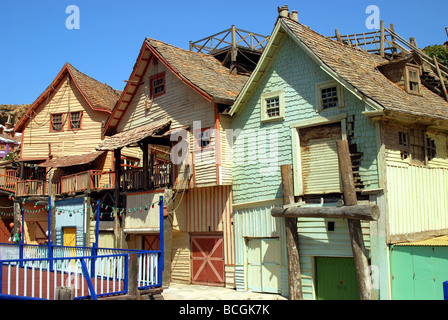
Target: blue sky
(35, 43)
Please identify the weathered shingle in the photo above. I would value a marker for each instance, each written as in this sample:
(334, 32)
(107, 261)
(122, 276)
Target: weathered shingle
(202, 70)
(359, 69)
(100, 95)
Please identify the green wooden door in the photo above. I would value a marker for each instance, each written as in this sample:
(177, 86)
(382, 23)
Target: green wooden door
(336, 279)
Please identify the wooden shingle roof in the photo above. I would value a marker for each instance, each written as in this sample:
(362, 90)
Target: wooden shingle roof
(355, 69)
(201, 72)
(359, 69)
(99, 96)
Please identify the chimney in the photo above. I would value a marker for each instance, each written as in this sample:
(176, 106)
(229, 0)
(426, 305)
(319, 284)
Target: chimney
(294, 16)
(283, 11)
(8, 123)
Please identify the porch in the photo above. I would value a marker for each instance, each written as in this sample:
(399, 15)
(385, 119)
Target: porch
(35, 272)
(135, 179)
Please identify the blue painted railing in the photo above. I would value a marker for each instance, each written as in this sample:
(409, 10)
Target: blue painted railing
(31, 278)
(100, 264)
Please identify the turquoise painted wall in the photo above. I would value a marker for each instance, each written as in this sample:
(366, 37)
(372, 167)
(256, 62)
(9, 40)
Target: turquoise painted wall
(258, 178)
(418, 272)
(296, 73)
(73, 215)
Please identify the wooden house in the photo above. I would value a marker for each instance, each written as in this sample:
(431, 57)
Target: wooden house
(171, 112)
(60, 131)
(306, 93)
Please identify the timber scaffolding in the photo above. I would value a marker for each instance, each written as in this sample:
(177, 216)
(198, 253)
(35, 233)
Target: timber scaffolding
(237, 49)
(389, 44)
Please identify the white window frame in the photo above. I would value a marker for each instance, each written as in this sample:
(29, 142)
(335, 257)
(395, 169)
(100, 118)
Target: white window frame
(269, 95)
(328, 84)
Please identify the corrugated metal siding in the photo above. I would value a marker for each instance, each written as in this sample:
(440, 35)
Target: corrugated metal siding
(210, 210)
(257, 222)
(417, 198)
(320, 164)
(180, 265)
(320, 168)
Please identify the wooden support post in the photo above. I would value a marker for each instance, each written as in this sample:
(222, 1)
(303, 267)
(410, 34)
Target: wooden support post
(442, 82)
(145, 150)
(117, 226)
(354, 226)
(382, 38)
(292, 238)
(133, 275)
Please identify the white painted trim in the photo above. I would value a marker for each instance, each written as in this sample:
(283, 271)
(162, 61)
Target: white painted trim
(281, 101)
(318, 121)
(237, 104)
(296, 162)
(260, 203)
(328, 84)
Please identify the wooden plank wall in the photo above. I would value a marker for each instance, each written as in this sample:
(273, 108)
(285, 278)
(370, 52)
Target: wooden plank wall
(36, 136)
(416, 198)
(182, 106)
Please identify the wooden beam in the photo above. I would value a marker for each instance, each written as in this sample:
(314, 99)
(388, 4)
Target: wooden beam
(442, 82)
(292, 238)
(382, 38)
(354, 226)
(357, 212)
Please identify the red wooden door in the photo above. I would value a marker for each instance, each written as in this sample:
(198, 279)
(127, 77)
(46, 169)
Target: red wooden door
(5, 229)
(207, 260)
(151, 242)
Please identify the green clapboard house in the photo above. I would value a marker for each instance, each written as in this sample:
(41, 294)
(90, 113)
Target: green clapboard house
(307, 92)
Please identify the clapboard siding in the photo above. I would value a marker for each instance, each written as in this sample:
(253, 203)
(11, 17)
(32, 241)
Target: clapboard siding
(183, 107)
(37, 135)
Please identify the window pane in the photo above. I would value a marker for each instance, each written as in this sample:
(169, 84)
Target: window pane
(273, 107)
(56, 122)
(75, 120)
(329, 97)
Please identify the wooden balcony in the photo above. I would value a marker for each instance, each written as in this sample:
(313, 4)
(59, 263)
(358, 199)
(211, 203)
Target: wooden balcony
(8, 182)
(88, 180)
(158, 176)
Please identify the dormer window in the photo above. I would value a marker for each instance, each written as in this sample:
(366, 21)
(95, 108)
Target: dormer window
(412, 79)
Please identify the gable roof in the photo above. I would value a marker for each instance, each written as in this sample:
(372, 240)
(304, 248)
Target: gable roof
(356, 70)
(99, 96)
(201, 72)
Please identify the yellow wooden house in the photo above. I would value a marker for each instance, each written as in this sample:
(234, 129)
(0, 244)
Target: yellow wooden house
(172, 110)
(60, 131)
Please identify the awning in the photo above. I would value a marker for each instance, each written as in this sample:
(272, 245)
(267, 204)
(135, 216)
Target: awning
(69, 161)
(433, 242)
(127, 138)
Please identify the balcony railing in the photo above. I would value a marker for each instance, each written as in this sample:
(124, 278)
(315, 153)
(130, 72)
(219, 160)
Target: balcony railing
(158, 176)
(88, 180)
(8, 182)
